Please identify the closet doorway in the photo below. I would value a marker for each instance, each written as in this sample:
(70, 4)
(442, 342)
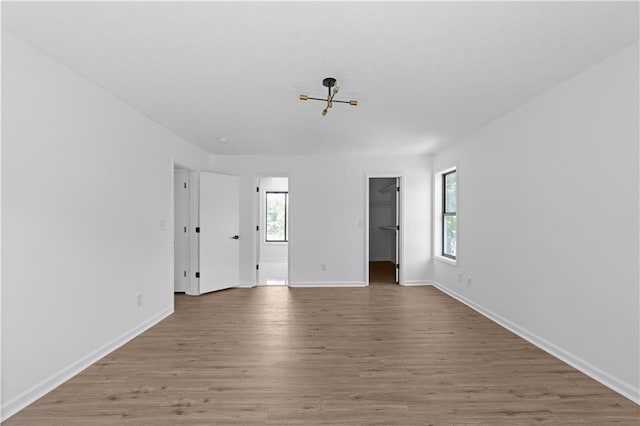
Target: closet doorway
(384, 230)
(273, 231)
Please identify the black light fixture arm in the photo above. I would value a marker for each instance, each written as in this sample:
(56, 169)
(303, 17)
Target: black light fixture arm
(329, 83)
(320, 99)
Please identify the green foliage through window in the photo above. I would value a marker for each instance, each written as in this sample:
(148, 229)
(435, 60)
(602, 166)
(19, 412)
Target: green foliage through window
(276, 220)
(449, 213)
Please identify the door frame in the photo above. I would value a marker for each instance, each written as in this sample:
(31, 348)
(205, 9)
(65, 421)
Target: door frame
(192, 218)
(401, 221)
(183, 175)
(255, 246)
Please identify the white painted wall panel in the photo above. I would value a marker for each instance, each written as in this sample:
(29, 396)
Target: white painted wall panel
(548, 219)
(86, 190)
(327, 203)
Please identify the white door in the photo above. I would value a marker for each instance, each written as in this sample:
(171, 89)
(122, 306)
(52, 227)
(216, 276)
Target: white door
(219, 236)
(180, 226)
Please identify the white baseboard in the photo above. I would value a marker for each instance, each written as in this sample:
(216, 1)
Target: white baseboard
(245, 285)
(416, 283)
(328, 284)
(613, 383)
(37, 391)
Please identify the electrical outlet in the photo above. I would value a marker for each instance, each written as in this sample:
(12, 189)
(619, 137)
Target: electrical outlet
(323, 266)
(460, 276)
(139, 300)
(469, 281)
(163, 225)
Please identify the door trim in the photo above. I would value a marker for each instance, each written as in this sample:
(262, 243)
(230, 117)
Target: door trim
(401, 222)
(255, 179)
(191, 241)
(182, 175)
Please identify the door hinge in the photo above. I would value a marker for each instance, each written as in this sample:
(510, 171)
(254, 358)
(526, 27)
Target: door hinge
(257, 228)
(257, 267)
(185, 273)
(197, 229)
(185, 185)
(397, 189)
(397, 266)
(185, 229)
(397, 227)
(197, 274)
(257, 189)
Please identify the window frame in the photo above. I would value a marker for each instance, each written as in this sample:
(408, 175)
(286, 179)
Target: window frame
(286, 219)
(445, 213)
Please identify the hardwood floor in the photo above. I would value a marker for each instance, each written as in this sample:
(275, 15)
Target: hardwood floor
(382, 273)
(379, 355)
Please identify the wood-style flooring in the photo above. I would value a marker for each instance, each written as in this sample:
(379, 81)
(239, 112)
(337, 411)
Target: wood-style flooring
(382, 355)
(381, 273)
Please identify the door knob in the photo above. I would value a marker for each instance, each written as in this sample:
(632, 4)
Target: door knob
(235, 237)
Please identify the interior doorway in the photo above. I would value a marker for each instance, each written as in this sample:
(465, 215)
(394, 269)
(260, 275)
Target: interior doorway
(181, 252)
(273, 231)
(384, 230)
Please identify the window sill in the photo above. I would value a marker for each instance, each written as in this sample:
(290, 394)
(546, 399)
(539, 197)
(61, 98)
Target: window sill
(277, 243)
(446, 260)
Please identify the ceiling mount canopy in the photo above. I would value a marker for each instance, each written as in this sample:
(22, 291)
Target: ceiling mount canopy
(329, 83)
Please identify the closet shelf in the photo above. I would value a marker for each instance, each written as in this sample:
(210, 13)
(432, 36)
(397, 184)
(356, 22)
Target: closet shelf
(387, 188)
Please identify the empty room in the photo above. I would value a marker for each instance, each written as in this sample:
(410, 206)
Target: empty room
(346, 213)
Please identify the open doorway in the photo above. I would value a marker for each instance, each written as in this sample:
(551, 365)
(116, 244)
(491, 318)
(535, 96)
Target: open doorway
(273, 231)
(384, 231)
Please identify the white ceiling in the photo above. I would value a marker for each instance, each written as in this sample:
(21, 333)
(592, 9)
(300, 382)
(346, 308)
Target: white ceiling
(425, 73)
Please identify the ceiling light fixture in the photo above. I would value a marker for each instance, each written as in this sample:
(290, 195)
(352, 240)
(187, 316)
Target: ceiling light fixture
(329, 82)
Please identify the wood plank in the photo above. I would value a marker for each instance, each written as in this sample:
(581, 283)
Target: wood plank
(378, 355)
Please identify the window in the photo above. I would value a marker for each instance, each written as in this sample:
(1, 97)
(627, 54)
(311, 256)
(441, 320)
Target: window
(276, 219)
(449, 211)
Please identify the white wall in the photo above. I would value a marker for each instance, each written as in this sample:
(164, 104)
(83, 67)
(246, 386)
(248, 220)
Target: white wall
(86, 182)
(548, 221)
(271, 252)
(327, 206)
